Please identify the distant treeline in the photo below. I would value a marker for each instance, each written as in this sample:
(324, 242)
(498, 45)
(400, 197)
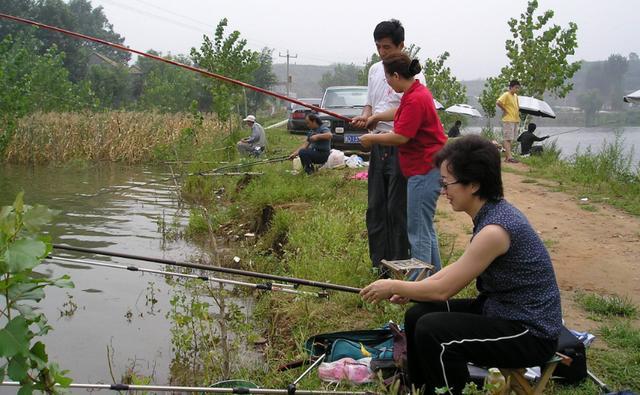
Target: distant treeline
(46, 71)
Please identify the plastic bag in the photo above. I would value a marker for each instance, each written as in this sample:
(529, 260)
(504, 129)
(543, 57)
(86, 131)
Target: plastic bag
(357, 372)
(354, 161)
(336, 159)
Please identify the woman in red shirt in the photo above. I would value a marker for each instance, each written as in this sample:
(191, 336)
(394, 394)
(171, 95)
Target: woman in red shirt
(418, 133)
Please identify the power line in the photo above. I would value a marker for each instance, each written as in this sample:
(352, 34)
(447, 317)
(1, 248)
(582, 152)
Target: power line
(254, 43)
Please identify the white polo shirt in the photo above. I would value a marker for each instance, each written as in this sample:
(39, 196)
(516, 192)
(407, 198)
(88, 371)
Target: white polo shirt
(381, 96)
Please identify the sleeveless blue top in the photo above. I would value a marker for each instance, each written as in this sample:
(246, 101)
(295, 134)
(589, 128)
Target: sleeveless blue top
(521, 284)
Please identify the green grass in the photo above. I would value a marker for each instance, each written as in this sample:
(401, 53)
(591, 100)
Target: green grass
(608, 175)
(318, 232)
(589, 207)
(608, 306)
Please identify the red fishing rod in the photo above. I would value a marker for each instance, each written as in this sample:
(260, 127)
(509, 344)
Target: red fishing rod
(184, 66)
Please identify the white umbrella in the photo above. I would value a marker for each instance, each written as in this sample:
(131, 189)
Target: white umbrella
(536, 107)
(633, 97)
(439, 105)
(464, 109)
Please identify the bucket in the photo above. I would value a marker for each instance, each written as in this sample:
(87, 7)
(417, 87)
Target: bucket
(297, 164)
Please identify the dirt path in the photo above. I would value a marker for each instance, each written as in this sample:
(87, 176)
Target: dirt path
(592, 251)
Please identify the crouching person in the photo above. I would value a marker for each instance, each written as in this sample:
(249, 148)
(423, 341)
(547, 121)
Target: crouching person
(516, 319)
(255, 144)
(316, 148)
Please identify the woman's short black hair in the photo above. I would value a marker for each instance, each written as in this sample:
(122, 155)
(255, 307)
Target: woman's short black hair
(474, 159)
(402, 64)
(313, 117)
(389, 29)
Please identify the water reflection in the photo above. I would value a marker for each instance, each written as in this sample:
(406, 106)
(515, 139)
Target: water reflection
(118, 315)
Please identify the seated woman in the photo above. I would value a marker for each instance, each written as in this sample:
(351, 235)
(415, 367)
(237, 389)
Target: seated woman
(515, 320)
(315, 149)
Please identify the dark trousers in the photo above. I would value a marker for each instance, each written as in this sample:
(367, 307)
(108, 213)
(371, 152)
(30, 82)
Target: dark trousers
(387, 206)
(443, 336)
(310, 156)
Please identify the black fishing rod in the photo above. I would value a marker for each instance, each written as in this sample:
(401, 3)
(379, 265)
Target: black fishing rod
(220, 269)
(262, 287)
(215, 390)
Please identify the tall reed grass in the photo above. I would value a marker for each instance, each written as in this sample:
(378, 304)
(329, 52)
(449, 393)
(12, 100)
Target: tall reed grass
(129, 137)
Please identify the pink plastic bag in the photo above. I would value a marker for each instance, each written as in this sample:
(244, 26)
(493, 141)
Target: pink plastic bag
(357, 372)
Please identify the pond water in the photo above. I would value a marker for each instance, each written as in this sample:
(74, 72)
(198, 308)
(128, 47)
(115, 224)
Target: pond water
(120, 209)
(569, 139)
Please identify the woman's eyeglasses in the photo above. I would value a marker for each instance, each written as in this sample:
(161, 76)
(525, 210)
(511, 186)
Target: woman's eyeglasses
(444, 184)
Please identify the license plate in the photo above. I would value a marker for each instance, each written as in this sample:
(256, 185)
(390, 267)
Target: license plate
(352, 139)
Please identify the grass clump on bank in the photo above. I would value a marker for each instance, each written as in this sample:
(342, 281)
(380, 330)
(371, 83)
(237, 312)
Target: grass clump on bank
(608, 175)
(609, 306)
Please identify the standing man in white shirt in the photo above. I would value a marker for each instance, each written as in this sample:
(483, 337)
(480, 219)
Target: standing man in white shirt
(387, 201)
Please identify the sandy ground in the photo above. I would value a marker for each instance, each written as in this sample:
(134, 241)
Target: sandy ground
(595, 252)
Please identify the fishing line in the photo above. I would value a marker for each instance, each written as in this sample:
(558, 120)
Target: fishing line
(266, 276)
(263, 287)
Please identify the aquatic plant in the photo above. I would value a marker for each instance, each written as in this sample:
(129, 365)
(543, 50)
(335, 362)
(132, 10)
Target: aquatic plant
(22, 357)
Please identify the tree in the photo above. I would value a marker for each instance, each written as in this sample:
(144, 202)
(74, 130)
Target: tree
(591, 103)
(263, 78)
(165, 87)
(537, 59)
(343, 74)
(633, 57)
(77, 15)
(363, 74)
(110, 84)
(32, 82)
(615, 68)
(226, 55)
(493, 88)
(443, 85)
(538, 54)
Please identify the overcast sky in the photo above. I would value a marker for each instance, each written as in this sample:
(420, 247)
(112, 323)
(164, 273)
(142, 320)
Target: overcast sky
(331, 31)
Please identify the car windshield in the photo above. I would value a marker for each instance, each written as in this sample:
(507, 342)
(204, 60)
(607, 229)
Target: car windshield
(355, 97)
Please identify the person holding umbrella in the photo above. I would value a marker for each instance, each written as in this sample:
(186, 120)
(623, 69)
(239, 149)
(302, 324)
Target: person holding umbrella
(419, 135)
(508, 103)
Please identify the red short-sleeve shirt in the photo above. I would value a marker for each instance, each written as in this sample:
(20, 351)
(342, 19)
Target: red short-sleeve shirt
(417, 119)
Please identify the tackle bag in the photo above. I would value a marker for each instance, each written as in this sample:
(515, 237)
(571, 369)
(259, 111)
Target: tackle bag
(386, 346)
(572, 347)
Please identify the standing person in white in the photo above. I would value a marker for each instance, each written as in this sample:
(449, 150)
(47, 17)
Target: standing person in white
(387, 187)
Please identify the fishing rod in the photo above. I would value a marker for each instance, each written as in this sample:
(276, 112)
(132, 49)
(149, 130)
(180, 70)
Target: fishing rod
(241, 165)
(215, 390)
(172, 62)
(239, 272)
(215, 171)
(262, 287)
(584, 127)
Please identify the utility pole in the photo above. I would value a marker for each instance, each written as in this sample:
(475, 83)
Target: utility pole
(288, 75)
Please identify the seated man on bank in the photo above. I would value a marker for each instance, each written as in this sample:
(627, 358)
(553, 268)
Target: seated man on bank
(317, 146)
(515, 320)
(255, 144)
(527, 139)
(455, 130)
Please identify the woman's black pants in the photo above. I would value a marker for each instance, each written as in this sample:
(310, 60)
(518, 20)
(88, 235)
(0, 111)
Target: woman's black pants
(442, 337)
